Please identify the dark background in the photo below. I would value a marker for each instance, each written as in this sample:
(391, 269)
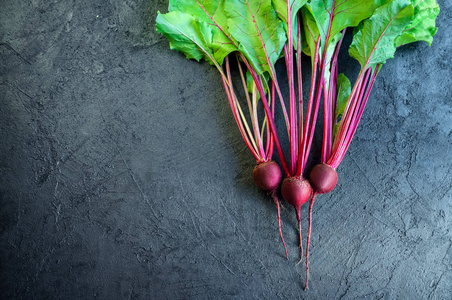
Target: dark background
(123, 175)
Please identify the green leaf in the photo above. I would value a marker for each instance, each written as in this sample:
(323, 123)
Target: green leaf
(202, 10)
(311, 31)
(341, 14)
(281, 9)
(422, 28)
(329, 55)
(212, 13)
(186, 34)
(374, 42)
(261, 36)
(343, 93)
(250, 81)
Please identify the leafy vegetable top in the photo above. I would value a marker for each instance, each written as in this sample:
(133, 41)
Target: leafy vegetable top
(259, 31)
(187, 35)
(374, 42)
(212, 13)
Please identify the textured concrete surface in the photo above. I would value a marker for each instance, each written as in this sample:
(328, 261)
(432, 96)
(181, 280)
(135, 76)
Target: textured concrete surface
(123, 176)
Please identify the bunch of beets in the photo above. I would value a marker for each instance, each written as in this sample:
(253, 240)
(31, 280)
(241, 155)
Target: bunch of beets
(250, 36)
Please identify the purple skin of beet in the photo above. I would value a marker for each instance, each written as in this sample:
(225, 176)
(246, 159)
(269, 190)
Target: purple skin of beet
(296, 191)
(267, 175)
(323, 178)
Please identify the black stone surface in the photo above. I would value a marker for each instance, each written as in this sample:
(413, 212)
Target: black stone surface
(123, 176)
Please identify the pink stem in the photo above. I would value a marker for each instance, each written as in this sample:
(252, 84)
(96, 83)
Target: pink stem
(330, 101)
(269, 118)
(239, 122)
(310, 136)
(270, 140)
(339, 153)
(346, 116)
(254, 122)
(354, 120)
(308, 142)
(300, 89)
(303, 153)
(293, 114)
(351, 114)
(288, 49)
(357, 119)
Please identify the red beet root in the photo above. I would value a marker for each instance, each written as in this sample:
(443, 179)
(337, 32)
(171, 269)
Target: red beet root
(323, 178)
(296, 191)
(267, 175)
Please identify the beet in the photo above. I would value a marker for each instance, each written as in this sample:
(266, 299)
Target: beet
(296, 191)
(267, 175)
(323, 178)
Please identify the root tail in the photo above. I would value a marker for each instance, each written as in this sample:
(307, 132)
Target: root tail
(298, 211)
(278, 211)
(311, 203)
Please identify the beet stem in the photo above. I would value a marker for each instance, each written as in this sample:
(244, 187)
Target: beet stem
(268, 113)
(302, 153)
(300, 88)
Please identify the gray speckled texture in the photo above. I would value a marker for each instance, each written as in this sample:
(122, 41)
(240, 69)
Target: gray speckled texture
(123, 176)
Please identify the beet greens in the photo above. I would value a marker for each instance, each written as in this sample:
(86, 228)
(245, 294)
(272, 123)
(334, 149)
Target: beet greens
(254, 34)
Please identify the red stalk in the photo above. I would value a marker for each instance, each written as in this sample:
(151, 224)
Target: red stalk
(346, 116)
(310, 136)
(363, 94)
(357, 117)
(321, 83)
(272, 71)
(270, 119)
(302, 152)
(254, 120)
(292, 100)
(358, 105)
(270, 141)
(310, 128)
(300, 89)
(354, 108)
(239, 122)
(330, 101)
(245, 89)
